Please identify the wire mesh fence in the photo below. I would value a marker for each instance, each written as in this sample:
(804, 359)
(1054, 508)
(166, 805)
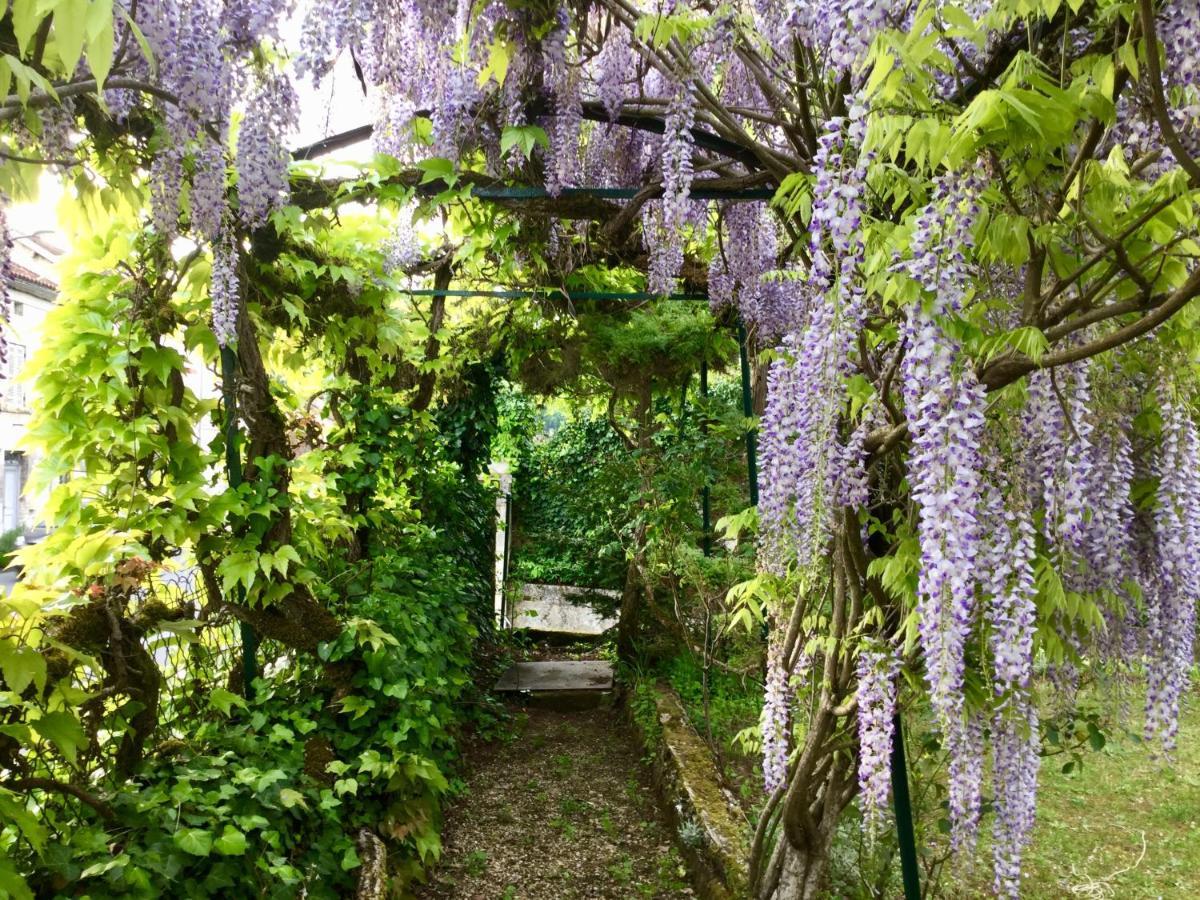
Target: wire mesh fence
(156, 683)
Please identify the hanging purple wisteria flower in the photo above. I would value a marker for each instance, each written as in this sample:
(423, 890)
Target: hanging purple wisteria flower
(876, 698)
(776, 720)
(225, 290)
(1171, 590)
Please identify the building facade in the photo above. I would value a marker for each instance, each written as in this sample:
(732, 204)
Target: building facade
(33, 292)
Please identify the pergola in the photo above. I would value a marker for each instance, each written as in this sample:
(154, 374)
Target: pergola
(583, 202)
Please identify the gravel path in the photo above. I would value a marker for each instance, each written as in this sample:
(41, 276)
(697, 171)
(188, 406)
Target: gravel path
(562, 811)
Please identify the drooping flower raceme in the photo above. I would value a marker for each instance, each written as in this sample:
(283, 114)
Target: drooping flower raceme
(776, 719)
(1058, 434)
(1171, 595)
(1008, 587)
(944, 404)
(224, 291)
(562, 80)
(667, 233)
(1016, 745)
(842, 30)
(403, 249)
(262, 154)
(876, 698)
(802, 453)
(739, 271)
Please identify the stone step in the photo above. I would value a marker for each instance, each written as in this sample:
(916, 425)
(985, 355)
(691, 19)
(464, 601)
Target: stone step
(591, 675)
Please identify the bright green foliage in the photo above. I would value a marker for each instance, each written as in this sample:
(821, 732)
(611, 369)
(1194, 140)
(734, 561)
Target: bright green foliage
(186, 787)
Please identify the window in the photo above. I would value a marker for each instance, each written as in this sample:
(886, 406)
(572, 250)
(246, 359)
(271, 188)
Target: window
(14, 392)
(18, 308)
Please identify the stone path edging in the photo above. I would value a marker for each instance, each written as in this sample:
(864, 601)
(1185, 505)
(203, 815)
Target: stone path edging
(686, 776)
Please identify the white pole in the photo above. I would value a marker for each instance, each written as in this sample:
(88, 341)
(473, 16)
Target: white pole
(504, 477)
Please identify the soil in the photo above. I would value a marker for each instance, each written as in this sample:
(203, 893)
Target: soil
(563, 810)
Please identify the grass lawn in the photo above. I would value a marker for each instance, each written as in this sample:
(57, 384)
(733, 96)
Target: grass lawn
(1126, 826)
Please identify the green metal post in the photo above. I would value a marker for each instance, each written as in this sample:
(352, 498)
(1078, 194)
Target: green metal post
(748, 411)
(904, 819)
(233, 467)
(705, 499)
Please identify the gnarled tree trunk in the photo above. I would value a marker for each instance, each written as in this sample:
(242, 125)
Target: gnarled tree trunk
(795, 836)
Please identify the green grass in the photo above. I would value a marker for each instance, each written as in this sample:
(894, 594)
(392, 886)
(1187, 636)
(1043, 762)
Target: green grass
(1124, 827)
(1092, 825)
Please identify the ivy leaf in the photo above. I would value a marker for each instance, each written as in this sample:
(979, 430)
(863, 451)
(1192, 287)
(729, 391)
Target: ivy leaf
(195, 841)
(225, 700)
(64, 730)
(289, 798)
(231, 842)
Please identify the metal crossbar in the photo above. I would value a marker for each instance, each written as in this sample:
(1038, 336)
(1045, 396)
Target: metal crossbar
(549, 293)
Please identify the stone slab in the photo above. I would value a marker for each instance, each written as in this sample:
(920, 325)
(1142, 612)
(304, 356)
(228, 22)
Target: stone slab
(558, 675)
(562, 609)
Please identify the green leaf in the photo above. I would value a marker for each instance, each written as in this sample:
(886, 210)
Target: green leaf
(22, 666)
(524, 137)
(64, 730)
(70, 18)
(231, 842)
(13, 811)
(11, 882)
(26, 17)
(436, 169)
(350, 859)
(195, 841)
(225, 700)
(289, 798)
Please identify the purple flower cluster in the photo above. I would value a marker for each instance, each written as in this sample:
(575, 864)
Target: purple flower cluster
(1108, 548)
(262, 153)
(1008, 587)
(166, 180)
(1016, 758)
(330, 26)
(944, 404)
(806, 470)
(1171, 592)
(804, 464)
(666, 235)
(1179, 31)
(224, 291)
(964, 741)
(452, 114)
(876, 698)
(562, 81)
(207, 201)
(247, 22)
(738, 272)
(1058, 433)
(776, 719)
(841, 29)
(403, 249)
(615, 67)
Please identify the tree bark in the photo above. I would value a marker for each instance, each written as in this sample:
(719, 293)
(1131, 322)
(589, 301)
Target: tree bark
(297, 620)
(822, 781)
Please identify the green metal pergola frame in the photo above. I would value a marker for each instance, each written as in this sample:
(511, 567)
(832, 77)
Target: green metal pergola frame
(900, 791)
